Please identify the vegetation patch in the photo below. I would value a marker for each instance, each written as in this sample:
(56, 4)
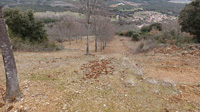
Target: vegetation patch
(26, 33)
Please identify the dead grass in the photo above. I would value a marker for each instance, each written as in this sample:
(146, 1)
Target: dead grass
(52, 81)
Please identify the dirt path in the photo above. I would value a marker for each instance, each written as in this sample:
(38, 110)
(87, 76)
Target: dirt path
(64, 81)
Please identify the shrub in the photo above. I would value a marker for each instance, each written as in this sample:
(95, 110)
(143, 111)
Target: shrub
(19, 44)
(26, 33)
(145, 29)
(157, 26)
(174, 38)
(129, 33)
(121, 34)
(46, 21)
(139, 48)
(135, 37)
(146, 46)
(24, 25)
(125, 33)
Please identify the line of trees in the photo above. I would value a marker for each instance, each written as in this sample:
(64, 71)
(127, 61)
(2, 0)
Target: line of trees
(67, 28)
(92, 8)
(73, 27)
(102, 29)
(94, 23)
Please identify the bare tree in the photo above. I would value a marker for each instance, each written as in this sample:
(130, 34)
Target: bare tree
(69, 27)
(78, 29)
(82, 29)
(69, 23)
(57, 31)
(95, 28)
(105, 31)
(102, 29)
(172, 32)
(12, 85)
(89, 8)
(109, 33)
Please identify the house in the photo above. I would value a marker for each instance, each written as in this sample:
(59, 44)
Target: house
(120, 4)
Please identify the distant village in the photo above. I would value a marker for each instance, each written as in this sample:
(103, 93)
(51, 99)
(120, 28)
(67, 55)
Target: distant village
(151, 17)
(146, 17)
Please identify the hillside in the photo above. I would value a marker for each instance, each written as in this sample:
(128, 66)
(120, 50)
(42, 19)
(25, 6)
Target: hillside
(41, 2)
(163, 6)
(128, 56)
(149, 82)
(41, 5)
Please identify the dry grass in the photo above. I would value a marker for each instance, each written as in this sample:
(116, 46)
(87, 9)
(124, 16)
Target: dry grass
(53, 82)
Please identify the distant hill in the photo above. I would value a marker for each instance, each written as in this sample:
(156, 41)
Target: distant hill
(34, 2)
(163, 6)
(149, 1)
(69, 2)
(40, 5)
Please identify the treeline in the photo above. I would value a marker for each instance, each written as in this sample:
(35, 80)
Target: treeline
(162, 6)
(26, 32)
(39, 8)
(70, 28)
(30, 33)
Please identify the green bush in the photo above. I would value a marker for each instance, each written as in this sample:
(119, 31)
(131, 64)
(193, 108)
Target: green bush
(135, 37)
(121, 34)
(189, 19)
(158, 26)
(24, 25)
(46, 21)
(145, 29)
(150, 27)
(174, 37)
(26, 33)
(129, 33)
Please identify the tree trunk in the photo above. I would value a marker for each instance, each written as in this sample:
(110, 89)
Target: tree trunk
(198, 39)
(76, 38)
(95, 43)
(103, 45)
(12, 85)
(87, 49)
(70, 40)
(81, 38)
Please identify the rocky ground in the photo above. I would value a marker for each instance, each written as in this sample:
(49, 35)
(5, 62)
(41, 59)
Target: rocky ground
(114, 80)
